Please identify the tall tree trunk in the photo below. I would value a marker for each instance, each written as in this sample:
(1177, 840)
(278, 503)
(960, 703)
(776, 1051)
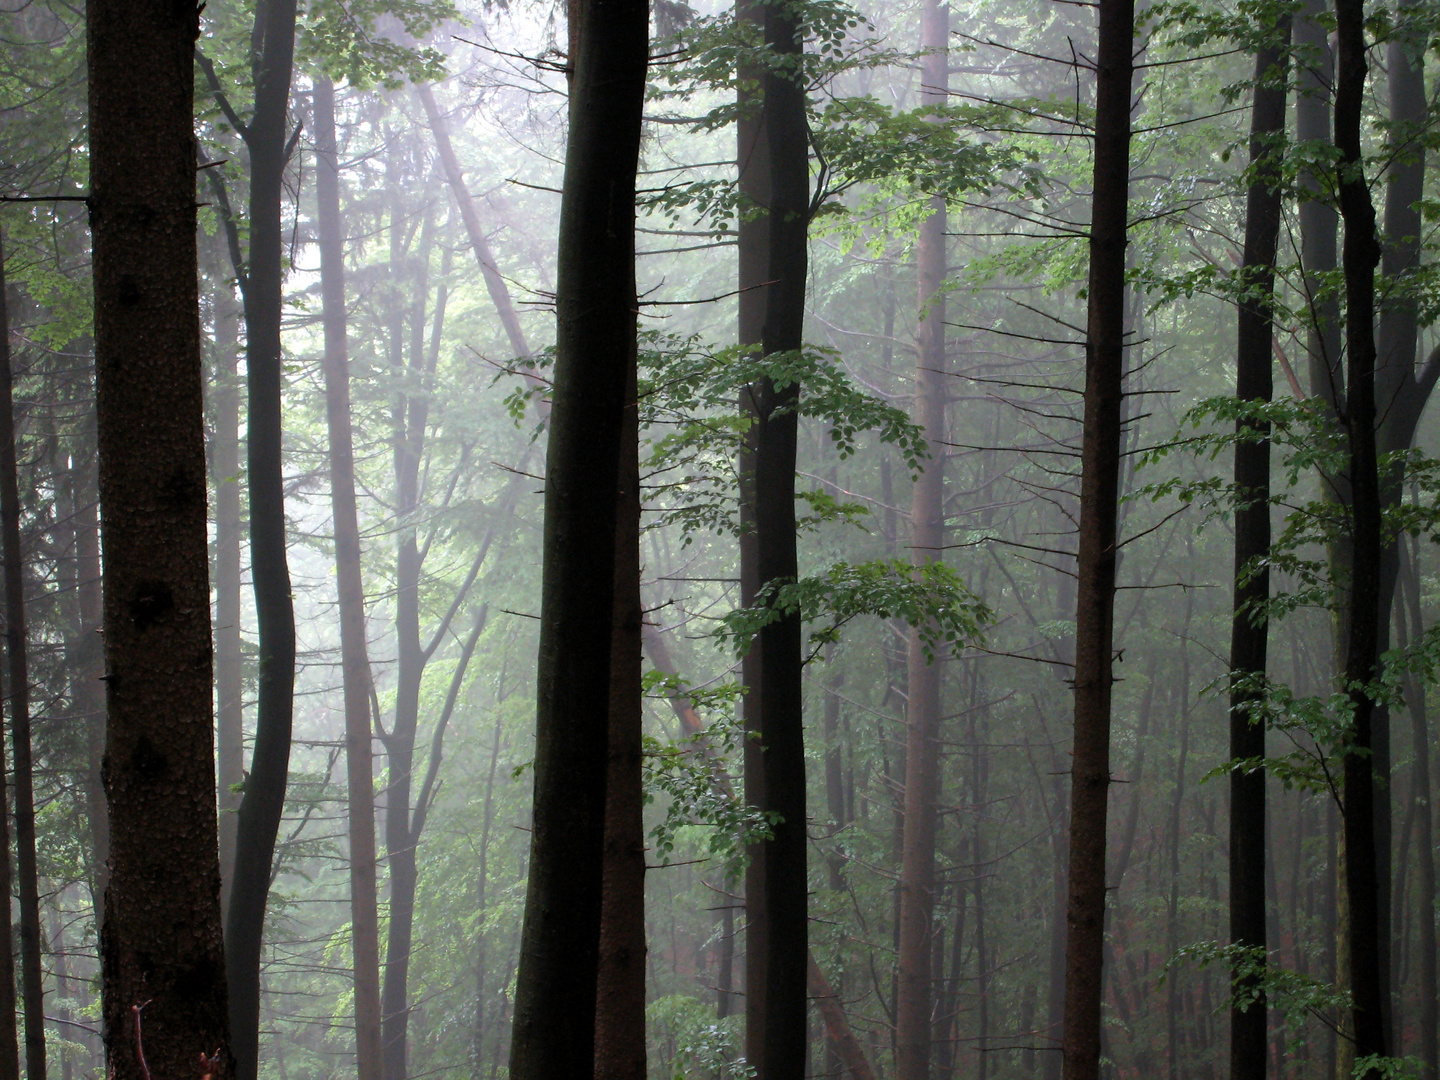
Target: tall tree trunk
(350, 588)
(914, 1005)
(161, 948)
(229, 657)
(1095, 571)
(781, 698)
(1249, 628)
(1424, 907)
(554, 1028)
(620, 991)
(261, 807)
(17, 665)
(1360, 256)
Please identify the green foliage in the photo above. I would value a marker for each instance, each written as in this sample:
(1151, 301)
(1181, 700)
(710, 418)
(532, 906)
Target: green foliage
(932, 598)
(695, 1045)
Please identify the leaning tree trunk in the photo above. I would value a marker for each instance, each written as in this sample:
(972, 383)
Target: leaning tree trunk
(914, 998)
(1095, 569)
(554, 1028)
(161, 949)
(263, 803)
(1249, 627)
(350, 588)
(1359, 258)
(782, 737)
(17, 665)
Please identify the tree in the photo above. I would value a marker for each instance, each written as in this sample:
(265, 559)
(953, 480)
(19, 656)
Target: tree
(554, 1032)
(914, 999)
(161, 946)
(1250, 626)
(354, 661)
(1096, 559)
(268, 139)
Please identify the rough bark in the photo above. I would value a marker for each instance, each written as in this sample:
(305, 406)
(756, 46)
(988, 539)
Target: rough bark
(161, 947)
(554, 1028)
(263, 803)
(1096, 560)
(350, 589)
(1249, 628)
(620, 989)
(1360, 254)
(914, 1004)
(17, 666)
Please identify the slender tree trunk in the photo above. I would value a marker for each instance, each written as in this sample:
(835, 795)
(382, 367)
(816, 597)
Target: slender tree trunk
(620, 991)
(554, 1029)
(781, 697)
(229, 657)
(1099, 494)
(494, 283)
(159, 760)
(1424, 843)
(262, 805)
(1360, 256)
(914, 1004)
(350, 587)
(1249, 628)
(17, 664)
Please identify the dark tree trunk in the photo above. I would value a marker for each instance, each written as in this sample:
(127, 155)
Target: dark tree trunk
(554, 1028)
(161, 947)
(1360, 256)
(781, 732)
(914, 1004)
(17, 666)
(261, 807)
(229, 658)
(620, 990)
(350, 588)
(1249, 628)
(1099, 493)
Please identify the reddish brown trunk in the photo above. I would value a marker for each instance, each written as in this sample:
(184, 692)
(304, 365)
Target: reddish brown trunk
(350, 588)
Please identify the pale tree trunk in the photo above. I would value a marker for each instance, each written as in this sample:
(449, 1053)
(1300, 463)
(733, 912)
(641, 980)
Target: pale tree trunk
(914, 997)
(350, 588)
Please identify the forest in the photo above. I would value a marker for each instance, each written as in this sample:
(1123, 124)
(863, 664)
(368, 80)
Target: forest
(685, 540)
